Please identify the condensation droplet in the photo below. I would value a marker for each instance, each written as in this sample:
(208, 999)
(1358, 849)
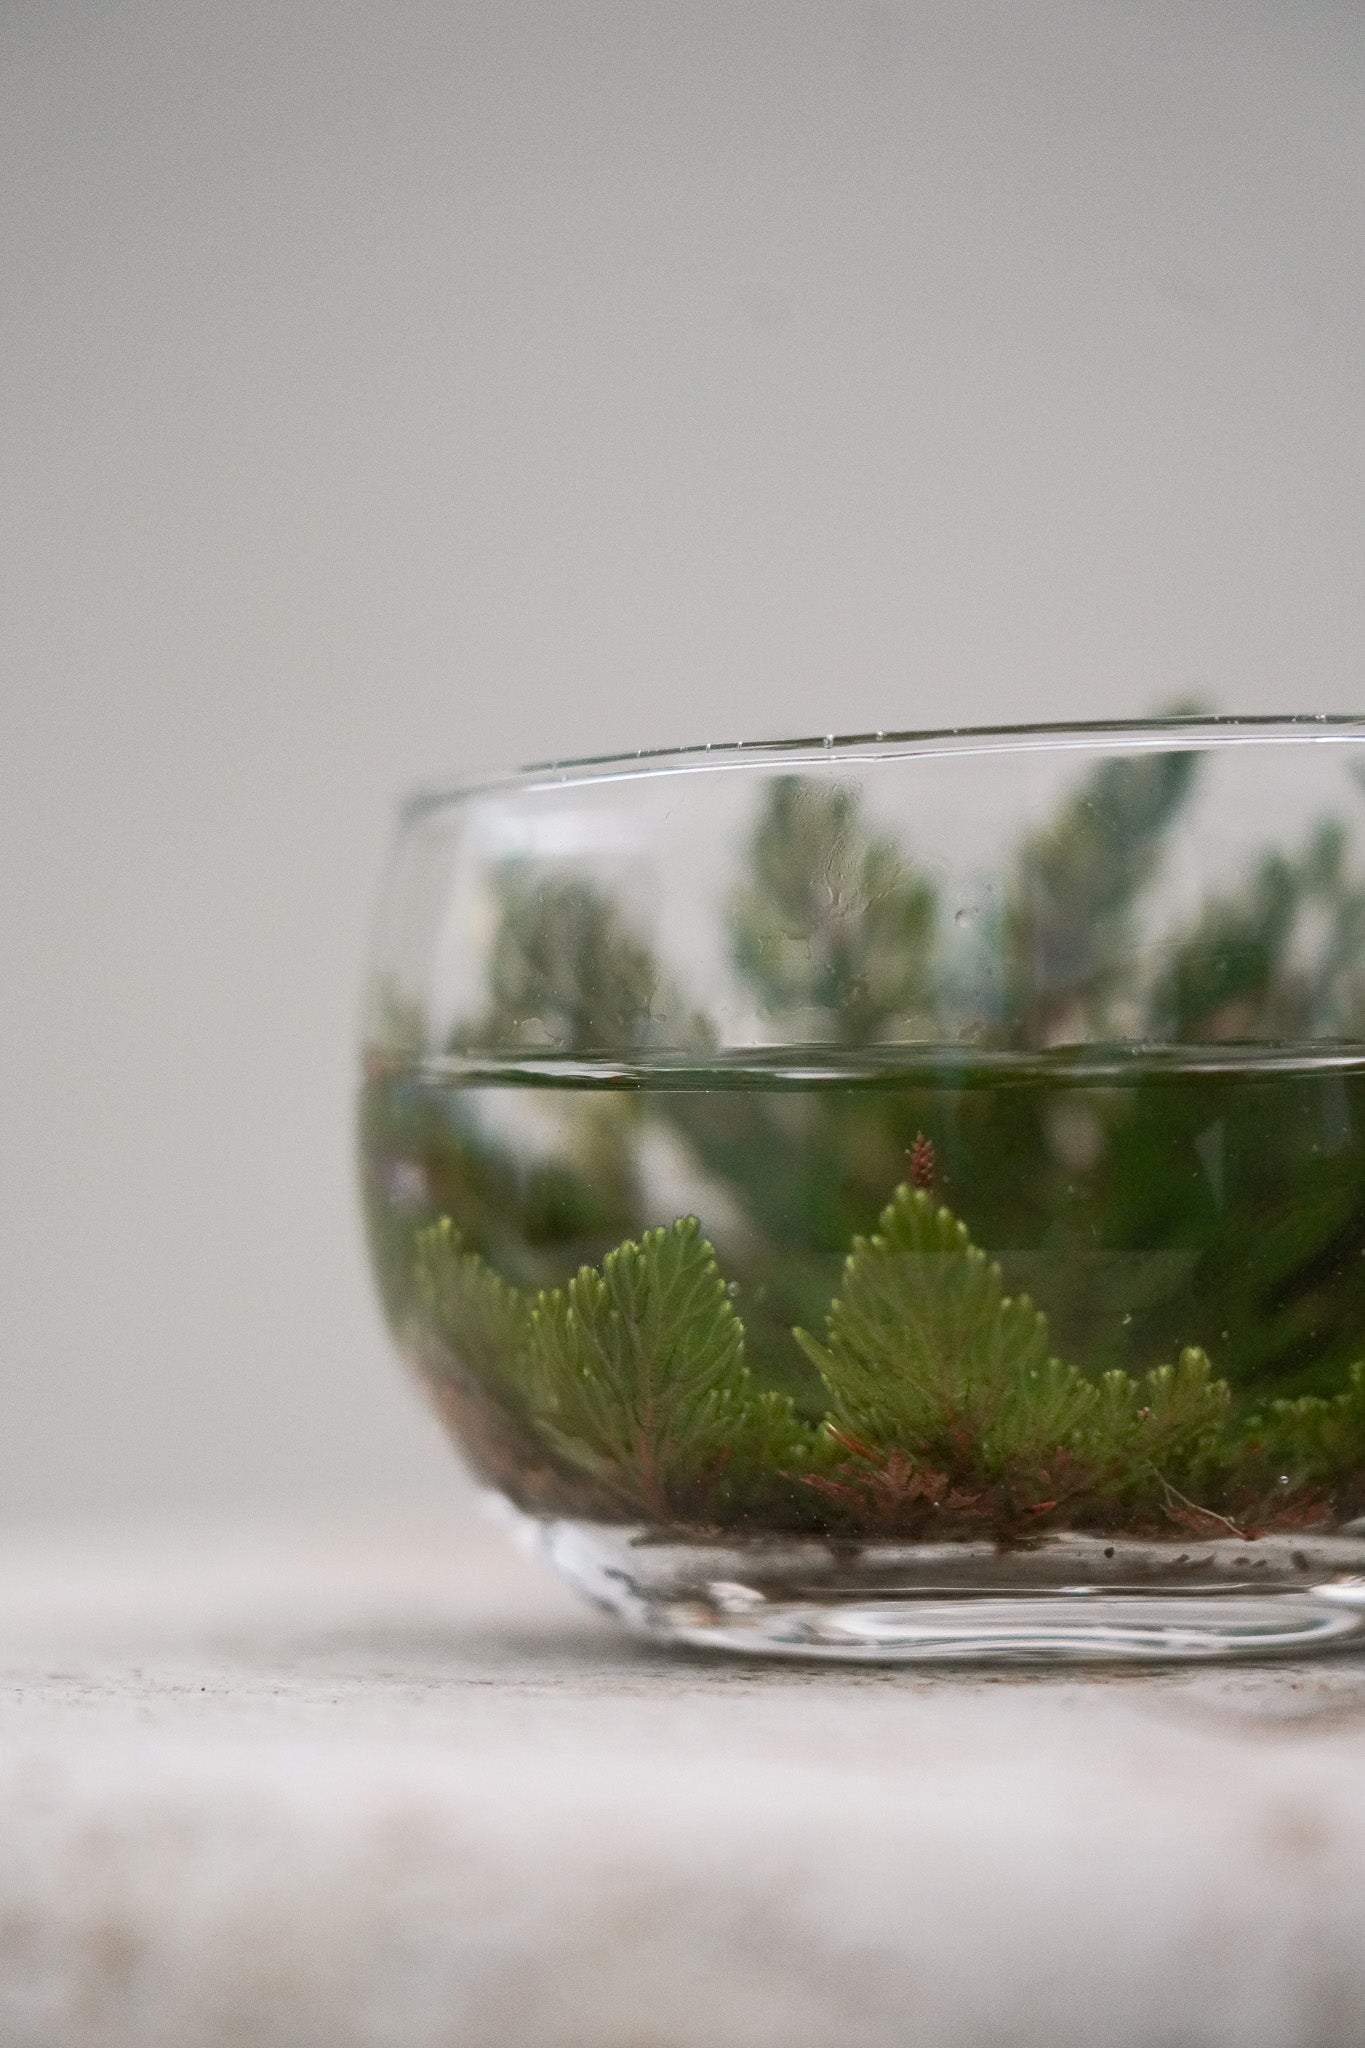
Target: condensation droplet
(732, 1288)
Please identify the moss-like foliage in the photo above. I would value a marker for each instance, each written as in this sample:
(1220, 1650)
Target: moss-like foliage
(638, 1372)
(474, 1314)
(930, 1363)
(632, 1375)
(947, 1408)
(1314, 1447)
(926, 1354)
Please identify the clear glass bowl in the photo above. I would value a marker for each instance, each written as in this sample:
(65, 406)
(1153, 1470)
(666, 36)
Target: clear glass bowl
(898, 1197)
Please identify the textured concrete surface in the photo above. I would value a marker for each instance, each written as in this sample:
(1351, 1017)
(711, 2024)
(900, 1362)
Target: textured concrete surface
(396, 1787)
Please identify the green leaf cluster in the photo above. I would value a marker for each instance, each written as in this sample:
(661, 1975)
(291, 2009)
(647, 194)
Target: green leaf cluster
(946, 1405)
(926, 1356)
(925, 1353)
(632, 1375)
(638, 1371)
(475, 1315)
(1317, 1443)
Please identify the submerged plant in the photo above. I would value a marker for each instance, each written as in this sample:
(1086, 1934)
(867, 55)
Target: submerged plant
(632, 1375)
(946, 1406)
(925, 1354)
(638, 1374)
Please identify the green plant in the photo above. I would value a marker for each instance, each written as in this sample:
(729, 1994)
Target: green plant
(632, 1375)
(638, 1372)
(926, 1354)
(928, 1361)
(474, 1315)
(1314, 1444)
(946, 1406)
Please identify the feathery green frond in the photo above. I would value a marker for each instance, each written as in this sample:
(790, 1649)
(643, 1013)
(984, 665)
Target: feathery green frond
(1319, 1441)
(638, 1369)
(946, 1405)
(1181, 1408)
(1167, 1429)
(482, 1321)
(925, 1353)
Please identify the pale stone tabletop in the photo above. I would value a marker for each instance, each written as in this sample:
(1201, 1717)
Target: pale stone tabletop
(394, 1786)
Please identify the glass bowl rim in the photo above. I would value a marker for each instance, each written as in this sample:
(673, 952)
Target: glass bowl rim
(1187, 730)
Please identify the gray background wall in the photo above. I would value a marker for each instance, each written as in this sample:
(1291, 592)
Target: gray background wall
(403, 388)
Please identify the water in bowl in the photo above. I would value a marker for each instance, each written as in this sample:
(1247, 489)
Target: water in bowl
(835, 1353)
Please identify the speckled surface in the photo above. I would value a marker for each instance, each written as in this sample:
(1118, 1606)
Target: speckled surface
(395, 1786)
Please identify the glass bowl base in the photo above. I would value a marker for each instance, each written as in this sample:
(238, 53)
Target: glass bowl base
(1070, 1599)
